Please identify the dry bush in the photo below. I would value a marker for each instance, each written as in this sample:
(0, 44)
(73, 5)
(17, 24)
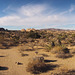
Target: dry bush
(48, 48)
(60, 49)
(1, 38)
(1, 46)
(33, 34)
(61, 52)
(69, 72)
(63, 55)
(25, 48)
(37, 66)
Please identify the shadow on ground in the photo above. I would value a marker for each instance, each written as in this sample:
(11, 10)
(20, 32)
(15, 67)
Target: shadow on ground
(70, 72)
(2, 56)
(50, 61)
(3, 68)
(24, 54)
(47, 68)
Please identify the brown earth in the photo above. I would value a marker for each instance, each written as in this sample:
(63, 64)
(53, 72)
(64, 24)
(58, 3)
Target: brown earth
(9, 57)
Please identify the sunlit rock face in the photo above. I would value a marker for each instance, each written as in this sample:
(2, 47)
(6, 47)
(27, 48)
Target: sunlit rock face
(28, 30)
(22, 30)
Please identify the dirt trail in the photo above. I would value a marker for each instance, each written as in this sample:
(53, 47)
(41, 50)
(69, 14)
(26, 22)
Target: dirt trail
(9, 57)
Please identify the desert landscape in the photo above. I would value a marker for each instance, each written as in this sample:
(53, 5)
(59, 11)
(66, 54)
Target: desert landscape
(37, 52)
(37, 37)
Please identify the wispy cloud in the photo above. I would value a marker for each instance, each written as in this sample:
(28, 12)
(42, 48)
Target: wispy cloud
(32, 10)
(7, 9)
(72, 8)
(37, 16)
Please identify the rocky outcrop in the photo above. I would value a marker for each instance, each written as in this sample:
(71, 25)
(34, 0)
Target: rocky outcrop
(28, 30)
(2, 29)
(22, 30)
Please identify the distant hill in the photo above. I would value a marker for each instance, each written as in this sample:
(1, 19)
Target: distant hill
(53, 29)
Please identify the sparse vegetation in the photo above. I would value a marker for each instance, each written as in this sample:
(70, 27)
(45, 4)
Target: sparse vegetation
(61, 52)
(36, 67)
(60, 49)
(56, 37)
(69, 72)
(40, 44)
(39, 66)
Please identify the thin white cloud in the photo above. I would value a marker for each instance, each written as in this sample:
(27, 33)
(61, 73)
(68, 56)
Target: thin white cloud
(37, 16)
(72, 8)
(6, 9)
(32, 10)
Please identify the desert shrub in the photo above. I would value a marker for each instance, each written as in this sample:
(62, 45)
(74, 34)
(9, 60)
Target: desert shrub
(73, 35)
(48, 47)
(37, 66)
(69, 72)
(11, 43)
(59, 42)
(1, 46)
(61, 52)
(62, 37)
(1, 38)
(33, 34)
(52, 44)
(63, 55)
(15, 39)
(60, 49)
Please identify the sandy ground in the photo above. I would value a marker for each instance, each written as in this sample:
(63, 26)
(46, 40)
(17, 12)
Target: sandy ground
(9, 57)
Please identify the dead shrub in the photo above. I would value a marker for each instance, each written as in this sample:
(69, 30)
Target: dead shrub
(60, 50)
(63, 55)
(69, 72)
(1, 46)
(37, 66)
(48, 48)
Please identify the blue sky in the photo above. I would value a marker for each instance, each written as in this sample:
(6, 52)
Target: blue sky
(38, 14)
